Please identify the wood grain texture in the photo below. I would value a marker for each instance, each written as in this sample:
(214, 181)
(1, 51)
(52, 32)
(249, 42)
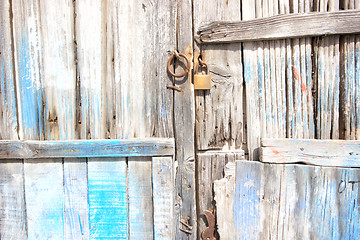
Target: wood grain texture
(211, 165)
(86, 148)
(44, 195)
(163, 197)
(12, 208)
(224, 196)
(219, 111)
(8, 109)
(339, 153)
(184, 124)
(90, 50)
(272, 198)
(141, 220)
(137, 102)
(281, 27)
(108, 198)
(76, 215)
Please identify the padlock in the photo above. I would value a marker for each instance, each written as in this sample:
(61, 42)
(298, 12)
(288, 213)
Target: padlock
(202, 81)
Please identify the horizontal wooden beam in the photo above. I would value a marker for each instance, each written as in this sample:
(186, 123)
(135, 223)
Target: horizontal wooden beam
(339, 153)
(281, 27)
(86, 148)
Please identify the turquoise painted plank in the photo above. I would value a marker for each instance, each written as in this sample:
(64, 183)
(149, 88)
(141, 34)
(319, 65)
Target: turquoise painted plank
(141, 223)
(44, 195)
(247, 201)
(87, 148)
(108, 204)
(163, 197)
(76, 216)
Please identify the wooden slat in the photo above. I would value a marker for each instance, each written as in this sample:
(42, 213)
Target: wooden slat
(76, 215)
(141, 223)
(86, 148)
(108, 198)
(211, 165)
(224, 196)
(90, 37)
(44, 195)
(271, 198)
(12, 210)
(184, 119)
(339, 153)
(219, 111)
(282, 26)
(163, 197)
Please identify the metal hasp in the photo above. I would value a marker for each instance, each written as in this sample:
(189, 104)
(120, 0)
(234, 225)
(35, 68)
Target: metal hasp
(208, 233)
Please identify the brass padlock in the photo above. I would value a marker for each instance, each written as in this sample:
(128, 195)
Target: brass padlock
(202, 81)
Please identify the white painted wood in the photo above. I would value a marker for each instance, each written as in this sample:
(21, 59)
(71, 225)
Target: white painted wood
(44, 196)
(141, 221)
(224, 196)
(339, 153)
(76, 215)
(163, 197)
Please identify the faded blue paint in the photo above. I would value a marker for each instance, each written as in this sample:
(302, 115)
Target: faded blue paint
(357, 84)
(246, 205)
(248, 72)
(30, 97)
(108, 204)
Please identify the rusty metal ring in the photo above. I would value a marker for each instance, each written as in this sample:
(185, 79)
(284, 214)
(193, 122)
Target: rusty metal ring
(186, 70)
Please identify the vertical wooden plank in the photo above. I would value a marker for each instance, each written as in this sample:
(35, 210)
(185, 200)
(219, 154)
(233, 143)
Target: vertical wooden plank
(76, 215)
(184, 123)
(246, 207)
(28, 69)
(137, 103)
(12, 210)
(163, 197)
(7, 77)
(44, 195)
(108, 198)
(141, 222)
(219, 111)
(224, 196)
(90, 37)
(211, 167)
(58, 72)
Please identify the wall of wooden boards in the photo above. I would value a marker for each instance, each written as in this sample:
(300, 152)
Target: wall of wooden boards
(277, 201)
(93, 70)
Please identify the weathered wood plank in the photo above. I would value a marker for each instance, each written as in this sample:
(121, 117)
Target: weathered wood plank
(224, 196)
(339, 153)
(90, 37)
(8, 109)
(281, 27)
(138, 104)
(270, 199)
(86, 148)
(76, 215)
(141, 222)
(108, 198)
(163, 197)
(211, 165)
(12, 210)
(44, 195)
(184, 124)
(219, 111)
